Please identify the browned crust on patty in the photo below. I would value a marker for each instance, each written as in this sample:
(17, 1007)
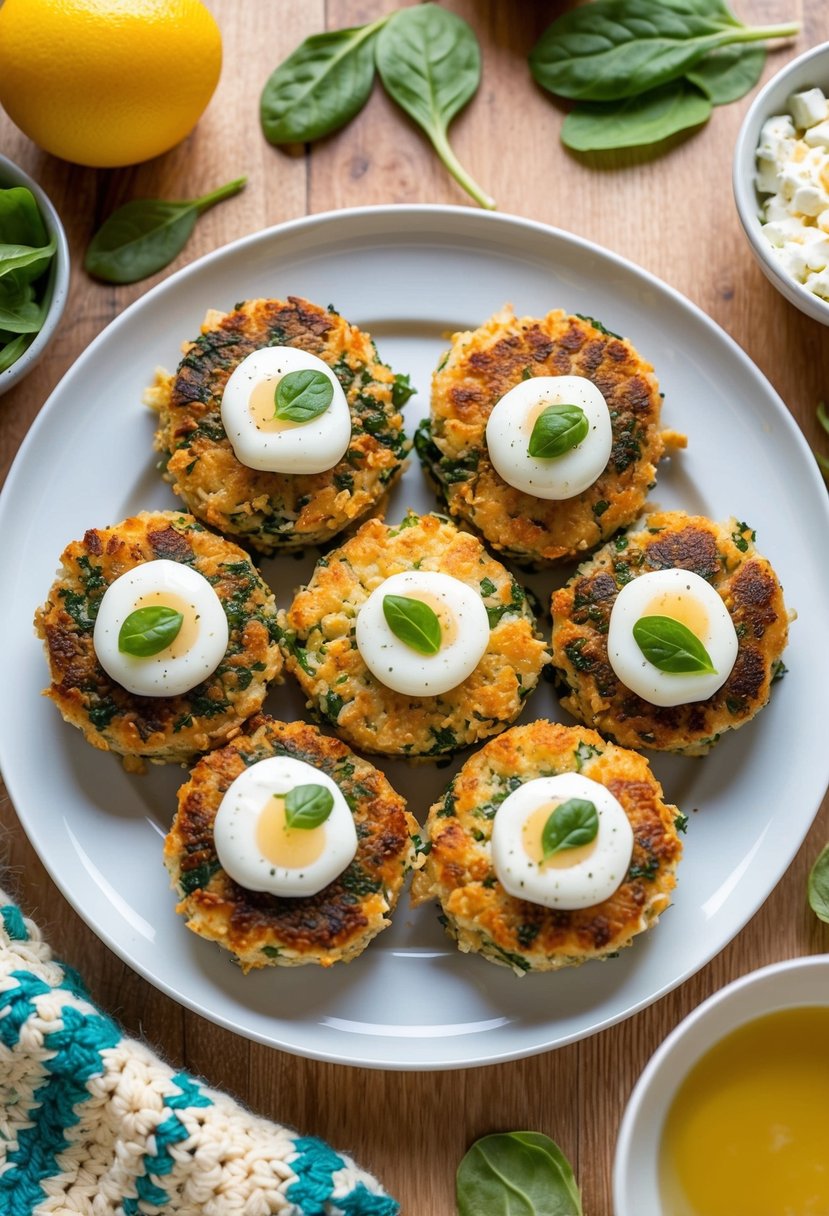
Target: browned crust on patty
(262, 929)
(162, 729)
(724, 555)
(319, 642)
(458, 871)
(480, 368)
(277, 511)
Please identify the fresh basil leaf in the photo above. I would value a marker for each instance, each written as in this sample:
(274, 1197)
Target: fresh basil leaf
(303, 395)
(307, 806)
(727, 74)
(430, 64)
(145, 235)
(516, 1174)
(320, 86)
(671, 646)
(148, 631)
(572, 824)
(597, 126)
(20, 220)
(610, 49)
(414, 622)
(558, 428)
(818, 886)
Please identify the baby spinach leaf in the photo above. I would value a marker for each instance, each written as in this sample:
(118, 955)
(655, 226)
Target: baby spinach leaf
(321, 86)
(19, 311)
(610, 49)
(413, 622)
(818, 888)
(516, 1174)
(20, 220)
(671, 646)
(28, 260)
(557, 429)
(307, 806)
(430, 64)
(728, 73)
(145, 235)
(148, 631)
(12, 351)
(303, 395)
(571, 825)
(596, 126)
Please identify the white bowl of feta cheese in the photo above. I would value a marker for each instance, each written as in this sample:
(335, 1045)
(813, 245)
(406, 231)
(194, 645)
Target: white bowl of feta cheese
(781, 181)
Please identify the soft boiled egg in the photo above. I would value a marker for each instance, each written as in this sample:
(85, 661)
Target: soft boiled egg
(684, 597)
(192, 655)
(570, 878)
(258, 849)
(510, 427)
(262, 441)
(464, 634)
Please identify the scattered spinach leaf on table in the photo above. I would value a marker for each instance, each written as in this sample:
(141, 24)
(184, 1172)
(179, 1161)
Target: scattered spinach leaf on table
(516, 1174)
(145, 235)
(646, 119)
(818, 886)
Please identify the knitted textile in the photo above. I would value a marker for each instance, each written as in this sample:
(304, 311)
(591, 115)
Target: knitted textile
(92, 1122)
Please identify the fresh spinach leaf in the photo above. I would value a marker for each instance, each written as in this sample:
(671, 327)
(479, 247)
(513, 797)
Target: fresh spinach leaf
(19, 311)
(596, 126)
(430, 64)
(303, 395)
(571, 825)
(728, 73)
(516, 1174)
(818, 887)
(145, 235)
(148, 631)
(610, 49)
(20, 220)
(321, 86)
(558, 429)
(307, 806)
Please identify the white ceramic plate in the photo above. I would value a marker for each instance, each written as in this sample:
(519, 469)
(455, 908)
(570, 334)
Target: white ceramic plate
(410, 275)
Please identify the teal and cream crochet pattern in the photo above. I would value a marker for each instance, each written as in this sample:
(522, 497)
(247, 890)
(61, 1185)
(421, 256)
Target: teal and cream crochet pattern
(94, 1123)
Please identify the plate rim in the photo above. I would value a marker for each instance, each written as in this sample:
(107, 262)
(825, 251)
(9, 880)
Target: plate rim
(444, 216)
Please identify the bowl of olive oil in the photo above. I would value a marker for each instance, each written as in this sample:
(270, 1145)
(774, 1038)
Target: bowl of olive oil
(729, 1116)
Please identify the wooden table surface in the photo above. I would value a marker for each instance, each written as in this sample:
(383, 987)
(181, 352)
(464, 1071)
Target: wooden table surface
(673, 215)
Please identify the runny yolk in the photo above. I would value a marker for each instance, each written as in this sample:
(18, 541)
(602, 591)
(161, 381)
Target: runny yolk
(290, 848)
(187, 636)
(448, 622)
(261, 406)
(680, 606)
(531, 839)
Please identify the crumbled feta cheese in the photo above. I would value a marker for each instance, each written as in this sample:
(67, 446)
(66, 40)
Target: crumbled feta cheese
(818, 137)
(793, 170)
(808, 108)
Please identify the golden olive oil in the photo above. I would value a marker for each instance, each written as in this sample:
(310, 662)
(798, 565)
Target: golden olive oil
(748, 1131)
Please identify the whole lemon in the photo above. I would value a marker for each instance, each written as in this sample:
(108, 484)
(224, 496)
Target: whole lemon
(107, 82)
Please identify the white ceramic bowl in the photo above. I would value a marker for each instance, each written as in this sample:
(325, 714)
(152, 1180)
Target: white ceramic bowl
(57, 287)
(808, 70)
(797, 982)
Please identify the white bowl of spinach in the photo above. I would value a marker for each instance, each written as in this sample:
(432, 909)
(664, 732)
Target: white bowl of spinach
(34, 273)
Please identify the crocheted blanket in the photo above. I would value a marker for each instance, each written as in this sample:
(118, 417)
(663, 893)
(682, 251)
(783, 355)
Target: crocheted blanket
(92, 1122)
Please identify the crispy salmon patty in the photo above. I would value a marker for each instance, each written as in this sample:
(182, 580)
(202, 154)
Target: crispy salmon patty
(318, 637)
(160, 729)
(725, 556)
(261, 929)
(458, 872)
(484, 364)
(278, 511)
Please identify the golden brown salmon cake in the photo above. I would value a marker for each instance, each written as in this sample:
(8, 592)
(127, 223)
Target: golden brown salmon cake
(320, 648)
(484, 364)
(263, 930)
(161, 729)
(481, 915)
(725, 556)
(278, 511)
